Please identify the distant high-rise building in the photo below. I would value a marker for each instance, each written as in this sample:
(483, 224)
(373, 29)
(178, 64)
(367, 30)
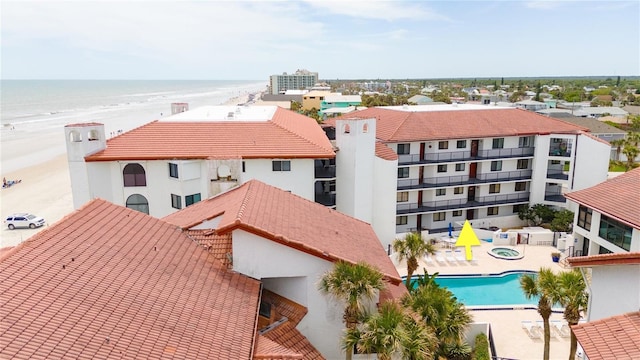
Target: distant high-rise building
(301, 79)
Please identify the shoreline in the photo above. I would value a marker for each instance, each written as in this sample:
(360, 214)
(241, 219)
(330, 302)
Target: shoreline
(45, 187)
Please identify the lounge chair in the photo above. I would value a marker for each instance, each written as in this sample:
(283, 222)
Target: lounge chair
(460, 257)
(561, 328)
(428, 260)
(440, 259)
(532, 329)
(449, 256)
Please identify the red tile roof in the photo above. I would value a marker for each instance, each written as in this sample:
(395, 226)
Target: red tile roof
(626, 258)
(288, 336)
(267, 349)
(109, 282)
(613, 338)
(618, 197)
(290, 220)
(385, 152)
(217, 245)
(398, 126)
(287, 135)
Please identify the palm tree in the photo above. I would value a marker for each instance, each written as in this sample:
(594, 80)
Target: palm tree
(412, 248)
(618, 143)
(352, 284)
(631, 151)
(574, 298)
(391, 331)
(441, 311)
(544, 286)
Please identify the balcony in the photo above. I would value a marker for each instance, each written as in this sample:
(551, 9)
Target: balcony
(457, 156)
(463, 203)
(326, 199)
(441, 181)
(562, 148)
(554, 195)
(557, 174)
(325, 172)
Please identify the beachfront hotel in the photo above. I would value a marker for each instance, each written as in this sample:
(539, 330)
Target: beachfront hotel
(206, 282)
(300, 80)
(472, 162)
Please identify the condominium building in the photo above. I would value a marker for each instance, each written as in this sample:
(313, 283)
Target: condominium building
(476, 163)
(172, 163)
(608, 215)
(301, 79)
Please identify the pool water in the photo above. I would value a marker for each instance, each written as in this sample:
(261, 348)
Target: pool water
(503, 289)
(505, 252)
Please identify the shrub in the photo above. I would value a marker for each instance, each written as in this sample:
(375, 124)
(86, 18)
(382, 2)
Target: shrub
(481, 350)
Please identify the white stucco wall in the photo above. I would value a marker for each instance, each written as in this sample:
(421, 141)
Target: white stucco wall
(82, 140)
(300, 180)
(294, 275)
(384, 200)
(539, 169)
(614, 290)
(591, 162)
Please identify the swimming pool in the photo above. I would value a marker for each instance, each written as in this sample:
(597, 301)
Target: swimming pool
(488, 290)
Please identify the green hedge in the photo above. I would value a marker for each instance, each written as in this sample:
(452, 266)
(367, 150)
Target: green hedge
(481, 351)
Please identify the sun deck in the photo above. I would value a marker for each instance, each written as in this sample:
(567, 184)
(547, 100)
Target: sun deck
(510, 339)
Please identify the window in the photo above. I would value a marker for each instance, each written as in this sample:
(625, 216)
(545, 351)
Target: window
(493, 210)
(440, 216)
(525, 141)
(458, 190)
(519, 207)
(494, 188)
(443, 145)
(521, 186)
(404, 149)
(555, 162)
(523, 164)
(584, 217)
(402, 196)
(138, 202)
(461, 144)
(265, 309)
(456, 213)
(441, 192)
(191, 199)
(615, 232)
(281, 165)
(173, 170)
(243, 167)
(498, 143)
(176, 201)
(403, 173)
(496, 165)
(401, 220)
(460, 167)
(134, 175)
(442, 168)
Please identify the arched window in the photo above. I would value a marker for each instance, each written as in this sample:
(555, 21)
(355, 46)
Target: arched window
(133, 175)
(93, 135)
(346, 128)
(365, 128)
(75, 136)
(139, 203)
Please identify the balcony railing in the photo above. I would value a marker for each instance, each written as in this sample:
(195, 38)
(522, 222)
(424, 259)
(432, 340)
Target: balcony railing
(453, 156)
(325, 172)
(557, 174)
(326, 199)
(434, 182)
(554, 196)
(463, 203)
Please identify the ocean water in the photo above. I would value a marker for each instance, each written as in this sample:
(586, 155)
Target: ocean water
(33, 113)
(26, 102)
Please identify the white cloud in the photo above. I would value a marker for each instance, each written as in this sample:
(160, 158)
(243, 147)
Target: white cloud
(377, 9)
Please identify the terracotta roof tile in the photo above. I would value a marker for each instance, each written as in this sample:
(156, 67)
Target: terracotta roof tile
(614, 338)
(287, 135)
(618, 197)
(284, 307)
(267, 349)
(110, 282)
(392, 292)
(385, 152)
(625, 258)
(217, 245)
(269, 212)
(288, 336)
(397, 125)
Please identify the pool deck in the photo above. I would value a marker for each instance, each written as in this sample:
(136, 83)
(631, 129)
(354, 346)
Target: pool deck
(510, 339)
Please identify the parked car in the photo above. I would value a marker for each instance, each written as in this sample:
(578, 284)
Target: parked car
(23, 220)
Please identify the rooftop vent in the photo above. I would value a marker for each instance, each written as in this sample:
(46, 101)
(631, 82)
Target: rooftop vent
(230, 115)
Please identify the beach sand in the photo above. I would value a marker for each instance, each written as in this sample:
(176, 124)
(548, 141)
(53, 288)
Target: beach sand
(39, 159)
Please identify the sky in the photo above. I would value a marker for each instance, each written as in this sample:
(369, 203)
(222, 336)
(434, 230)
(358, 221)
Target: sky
(347, 39)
